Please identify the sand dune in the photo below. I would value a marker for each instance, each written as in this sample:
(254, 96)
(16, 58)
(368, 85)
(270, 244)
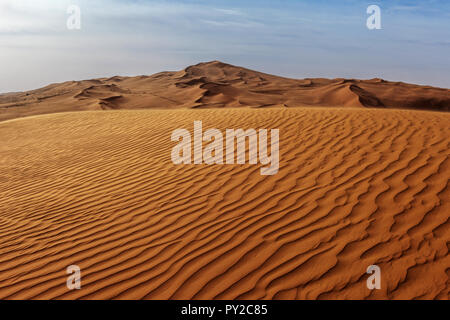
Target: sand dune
(217, 85)
(98, 189)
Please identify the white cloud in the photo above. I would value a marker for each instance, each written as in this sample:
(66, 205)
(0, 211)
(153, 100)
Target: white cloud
(142, 37)
(230, 12)
(26, 16)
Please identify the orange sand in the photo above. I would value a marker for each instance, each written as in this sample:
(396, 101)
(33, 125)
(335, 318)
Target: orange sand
(98, 189)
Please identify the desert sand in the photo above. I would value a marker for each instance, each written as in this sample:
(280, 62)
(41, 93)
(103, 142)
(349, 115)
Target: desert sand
(218, 85)
(356, 186)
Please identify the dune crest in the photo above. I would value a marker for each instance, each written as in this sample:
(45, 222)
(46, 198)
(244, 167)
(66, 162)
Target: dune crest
(219, 85)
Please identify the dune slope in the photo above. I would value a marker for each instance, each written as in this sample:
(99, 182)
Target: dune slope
(356, 187)
(218, 85)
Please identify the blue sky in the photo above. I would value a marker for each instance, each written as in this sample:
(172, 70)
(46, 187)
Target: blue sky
(293, 38)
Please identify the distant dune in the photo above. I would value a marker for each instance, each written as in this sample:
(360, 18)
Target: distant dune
(218, 85)
(356, 187)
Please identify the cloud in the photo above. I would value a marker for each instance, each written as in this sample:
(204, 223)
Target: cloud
(295, 38)
(230, 12)
(29, 16)
(405, 8)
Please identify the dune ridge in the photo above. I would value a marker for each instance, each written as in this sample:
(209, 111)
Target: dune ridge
(356, 187)
(219, 85)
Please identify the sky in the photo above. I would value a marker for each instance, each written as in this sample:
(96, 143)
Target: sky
(292, 38)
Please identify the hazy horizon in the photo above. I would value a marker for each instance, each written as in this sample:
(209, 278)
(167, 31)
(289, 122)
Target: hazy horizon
(274, 74)
(296, 39)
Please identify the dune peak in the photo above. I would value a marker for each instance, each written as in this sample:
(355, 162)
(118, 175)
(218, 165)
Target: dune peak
(216, 84)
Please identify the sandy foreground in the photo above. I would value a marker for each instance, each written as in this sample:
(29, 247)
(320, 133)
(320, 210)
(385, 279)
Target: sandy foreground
(98, 189)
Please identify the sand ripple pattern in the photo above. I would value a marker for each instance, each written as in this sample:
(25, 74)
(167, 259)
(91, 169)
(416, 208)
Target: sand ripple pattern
(355, 187)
